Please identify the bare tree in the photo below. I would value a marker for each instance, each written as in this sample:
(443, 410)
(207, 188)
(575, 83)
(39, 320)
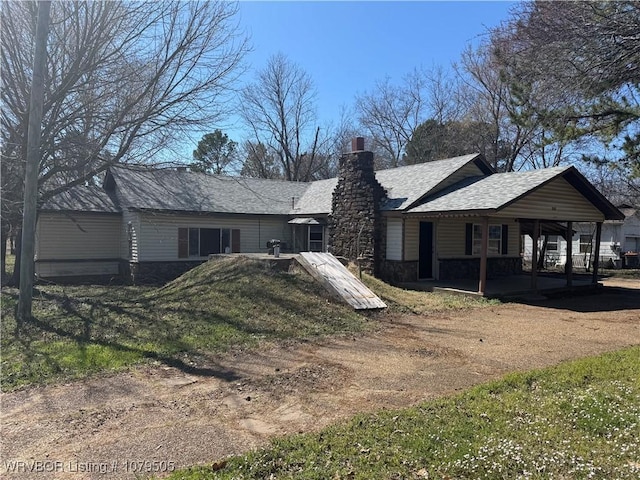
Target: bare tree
(391, 113)
(279, 109)
(487, 100)
(123, 81)
(586, 55)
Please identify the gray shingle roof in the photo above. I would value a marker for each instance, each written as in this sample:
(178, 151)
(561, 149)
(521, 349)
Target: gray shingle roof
(82, 199)
(172, 190)
(487, 193)
(406, 185)
(317, 199)
(169, 189)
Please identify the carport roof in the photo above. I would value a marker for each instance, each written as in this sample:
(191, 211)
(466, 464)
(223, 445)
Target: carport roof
(495, 192)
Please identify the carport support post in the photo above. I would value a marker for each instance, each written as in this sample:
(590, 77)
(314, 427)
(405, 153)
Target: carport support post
(534, 256)
(569, 263)
(482, 286)
(596, 254)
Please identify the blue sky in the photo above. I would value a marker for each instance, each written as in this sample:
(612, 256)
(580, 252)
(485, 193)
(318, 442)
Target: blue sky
(347, 46)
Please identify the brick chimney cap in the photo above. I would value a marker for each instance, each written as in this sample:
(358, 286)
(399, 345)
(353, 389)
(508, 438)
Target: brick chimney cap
(357, 144)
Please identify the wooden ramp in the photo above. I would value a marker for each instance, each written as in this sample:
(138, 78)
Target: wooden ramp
(340, 282)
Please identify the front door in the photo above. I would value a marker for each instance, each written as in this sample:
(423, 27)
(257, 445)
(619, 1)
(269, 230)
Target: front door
(425, 261)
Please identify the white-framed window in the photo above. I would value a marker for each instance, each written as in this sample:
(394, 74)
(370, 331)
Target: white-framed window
(552, 243)
(494, 246)
(585, 243)
(316, 238)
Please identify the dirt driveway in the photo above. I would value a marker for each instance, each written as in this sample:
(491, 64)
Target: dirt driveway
(160, 418)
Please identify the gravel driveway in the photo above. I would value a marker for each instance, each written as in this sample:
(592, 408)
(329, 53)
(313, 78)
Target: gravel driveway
(157, 418)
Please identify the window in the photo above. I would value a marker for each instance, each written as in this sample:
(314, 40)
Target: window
(201, 242)
(552, 243)
(316, 238)
(495, 239)
(585, 243)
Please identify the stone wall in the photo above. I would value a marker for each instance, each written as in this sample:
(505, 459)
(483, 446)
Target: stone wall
(461, 268)
(355, 223)
(396, 271)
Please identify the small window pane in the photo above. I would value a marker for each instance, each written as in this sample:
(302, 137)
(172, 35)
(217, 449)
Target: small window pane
(585, 243)
(194, 242)
(494, 244)
(209, 241)
(316, 238)
(225, 247)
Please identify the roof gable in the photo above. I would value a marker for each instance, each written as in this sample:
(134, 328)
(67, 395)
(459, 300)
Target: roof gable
(407, 186)
(497, 192)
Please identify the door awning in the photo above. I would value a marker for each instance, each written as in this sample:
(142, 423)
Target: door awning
(306, 221)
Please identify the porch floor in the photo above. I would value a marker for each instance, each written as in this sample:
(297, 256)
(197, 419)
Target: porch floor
(509, 287)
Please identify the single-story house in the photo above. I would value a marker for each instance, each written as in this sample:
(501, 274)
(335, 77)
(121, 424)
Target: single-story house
(619, 244)
(447, 219)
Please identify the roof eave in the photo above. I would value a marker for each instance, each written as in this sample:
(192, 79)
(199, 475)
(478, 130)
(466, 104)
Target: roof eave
(580, 183)
(453, 213)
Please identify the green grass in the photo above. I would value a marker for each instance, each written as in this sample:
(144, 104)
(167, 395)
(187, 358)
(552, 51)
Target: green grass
(579, 420)
(82, 330)
(78, 330)
(422, 303)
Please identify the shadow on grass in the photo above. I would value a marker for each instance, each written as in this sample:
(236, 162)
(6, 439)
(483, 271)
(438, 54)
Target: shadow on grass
(77, 325)
(605, 299)
(183, 324)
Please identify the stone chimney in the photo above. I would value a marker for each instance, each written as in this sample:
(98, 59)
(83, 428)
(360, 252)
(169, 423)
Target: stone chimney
(355, 226)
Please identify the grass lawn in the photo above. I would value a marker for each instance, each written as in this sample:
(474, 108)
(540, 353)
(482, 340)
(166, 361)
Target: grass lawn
(80, 330)
(579, 420)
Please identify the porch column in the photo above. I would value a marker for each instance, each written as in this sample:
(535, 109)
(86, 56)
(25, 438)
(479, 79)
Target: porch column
(569, 263)
(534, 256)
(596, 253)
(483, 256)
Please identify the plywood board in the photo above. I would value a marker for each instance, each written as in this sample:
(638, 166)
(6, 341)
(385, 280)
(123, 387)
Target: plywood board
(339, 281)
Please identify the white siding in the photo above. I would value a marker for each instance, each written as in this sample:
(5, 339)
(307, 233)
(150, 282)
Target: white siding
(412, 239)
(83, 239)
(77, 236)
(158, 234)
(394, 239)
(450, 239)
(557, 200)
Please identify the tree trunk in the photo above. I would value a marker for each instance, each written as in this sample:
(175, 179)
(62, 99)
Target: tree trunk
(543, 251)
(34, 157)
(15, 276)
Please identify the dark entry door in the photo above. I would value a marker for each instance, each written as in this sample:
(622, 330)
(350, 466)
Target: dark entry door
(425, 262)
